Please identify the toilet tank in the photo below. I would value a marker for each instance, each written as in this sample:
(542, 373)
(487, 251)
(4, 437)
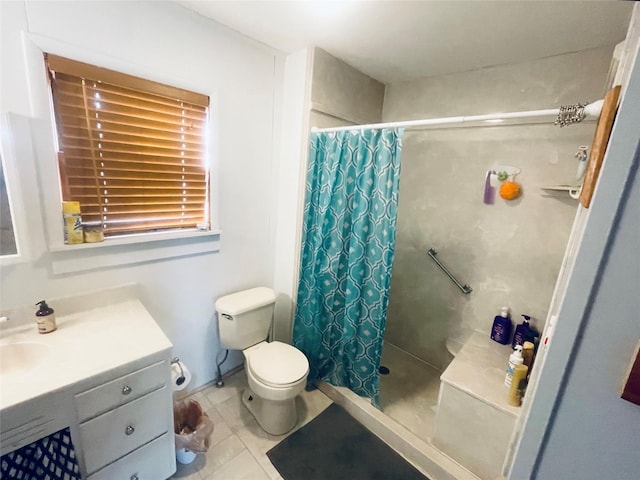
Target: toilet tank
(244, 318)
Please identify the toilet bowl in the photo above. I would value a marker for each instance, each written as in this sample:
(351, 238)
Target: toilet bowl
(276, 374)
(276, 371)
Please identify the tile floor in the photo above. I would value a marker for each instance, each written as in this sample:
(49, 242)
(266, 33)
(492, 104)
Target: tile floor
(238, 445)
(408, 395)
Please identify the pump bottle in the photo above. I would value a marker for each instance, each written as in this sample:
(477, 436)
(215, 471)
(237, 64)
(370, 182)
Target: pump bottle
(514, 359)
(45, 318)
(524, 333)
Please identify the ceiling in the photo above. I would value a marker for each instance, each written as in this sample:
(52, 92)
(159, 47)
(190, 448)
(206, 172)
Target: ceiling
(400, 40)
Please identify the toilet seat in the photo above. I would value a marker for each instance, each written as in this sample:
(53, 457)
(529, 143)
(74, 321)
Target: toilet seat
(277, 364)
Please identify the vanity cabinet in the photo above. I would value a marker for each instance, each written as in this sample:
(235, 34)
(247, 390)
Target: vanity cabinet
(124, 426)
(107, 378)
(121, 421)
(149, 462)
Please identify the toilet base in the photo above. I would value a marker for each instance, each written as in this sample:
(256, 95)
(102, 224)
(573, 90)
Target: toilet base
(275, 417)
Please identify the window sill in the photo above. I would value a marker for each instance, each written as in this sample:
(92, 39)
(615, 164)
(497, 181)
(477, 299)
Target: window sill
(15, 259)
(132, 249)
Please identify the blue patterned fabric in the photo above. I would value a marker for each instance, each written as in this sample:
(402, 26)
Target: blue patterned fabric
(50, 458)
(348, 241)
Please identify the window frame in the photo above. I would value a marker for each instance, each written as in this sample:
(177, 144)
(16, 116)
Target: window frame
(16, 160)
(119, 250)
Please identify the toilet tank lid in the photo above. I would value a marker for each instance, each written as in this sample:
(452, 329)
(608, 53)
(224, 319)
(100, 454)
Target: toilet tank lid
(246, 300)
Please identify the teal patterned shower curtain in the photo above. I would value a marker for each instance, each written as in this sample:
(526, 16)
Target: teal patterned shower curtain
(348, 242)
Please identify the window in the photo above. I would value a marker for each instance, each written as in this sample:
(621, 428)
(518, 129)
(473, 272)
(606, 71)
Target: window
(131, 151)
(7, 235)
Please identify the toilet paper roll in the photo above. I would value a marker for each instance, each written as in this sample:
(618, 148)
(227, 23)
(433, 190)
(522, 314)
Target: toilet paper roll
(180, 378)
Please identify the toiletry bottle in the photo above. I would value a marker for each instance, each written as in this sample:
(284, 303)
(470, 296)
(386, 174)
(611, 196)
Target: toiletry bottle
(524, 333)
(518, 385)
(514, 359)
(72, 222)
(534, 335)
(501, 329)
(527, 353)
(45, 318)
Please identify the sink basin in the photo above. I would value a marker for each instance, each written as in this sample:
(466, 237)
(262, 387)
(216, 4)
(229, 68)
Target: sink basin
(21, 357)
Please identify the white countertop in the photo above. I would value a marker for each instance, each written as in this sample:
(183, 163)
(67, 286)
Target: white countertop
(86, 343)
(479, 369)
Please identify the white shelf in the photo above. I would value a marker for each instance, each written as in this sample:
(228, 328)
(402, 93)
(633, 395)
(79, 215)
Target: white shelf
(561, 188)
(573, 191)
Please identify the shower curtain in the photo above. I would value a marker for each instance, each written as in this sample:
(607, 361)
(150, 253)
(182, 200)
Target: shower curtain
(348, 241)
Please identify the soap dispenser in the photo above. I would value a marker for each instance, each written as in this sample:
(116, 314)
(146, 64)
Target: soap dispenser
(501, 329)
(524, 333)
(45, 318)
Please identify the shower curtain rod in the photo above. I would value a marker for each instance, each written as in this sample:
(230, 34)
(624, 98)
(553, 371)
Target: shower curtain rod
(592, 110)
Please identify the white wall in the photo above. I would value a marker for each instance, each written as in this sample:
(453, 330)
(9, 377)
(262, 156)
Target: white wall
(164, 41)
(291, 174)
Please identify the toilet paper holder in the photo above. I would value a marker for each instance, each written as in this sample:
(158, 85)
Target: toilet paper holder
(180, 380)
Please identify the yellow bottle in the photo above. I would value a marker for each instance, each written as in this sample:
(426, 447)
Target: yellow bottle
(518, 385)
(72, 223)
(527, 353)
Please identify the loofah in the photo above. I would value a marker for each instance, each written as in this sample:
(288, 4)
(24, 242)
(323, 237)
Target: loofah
(509, 190)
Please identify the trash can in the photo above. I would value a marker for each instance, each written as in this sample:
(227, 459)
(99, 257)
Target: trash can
(192, 428)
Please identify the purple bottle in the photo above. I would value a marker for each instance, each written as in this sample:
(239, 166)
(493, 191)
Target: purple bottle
(501, 329)
(524, 333)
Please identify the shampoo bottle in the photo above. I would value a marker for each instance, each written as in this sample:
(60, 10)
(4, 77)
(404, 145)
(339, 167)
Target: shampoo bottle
(514, 359)
(527, 353)
(524, 333)
(45, 318)
(518, 385)
(501, 329)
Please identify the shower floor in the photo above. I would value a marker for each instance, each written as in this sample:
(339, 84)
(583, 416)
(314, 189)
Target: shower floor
(409, 399)
(409, 393)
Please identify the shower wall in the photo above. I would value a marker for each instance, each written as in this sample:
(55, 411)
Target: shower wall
(342, 95)
(509, 252)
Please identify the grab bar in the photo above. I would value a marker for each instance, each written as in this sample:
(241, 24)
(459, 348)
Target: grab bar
(465, 288)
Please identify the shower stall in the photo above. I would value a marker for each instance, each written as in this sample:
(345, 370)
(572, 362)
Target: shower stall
(508, 252)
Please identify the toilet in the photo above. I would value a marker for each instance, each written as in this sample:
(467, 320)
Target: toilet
(276, 372)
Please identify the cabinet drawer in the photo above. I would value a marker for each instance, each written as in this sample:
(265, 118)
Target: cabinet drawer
(154, 461)
(121, 390)
(116, 433)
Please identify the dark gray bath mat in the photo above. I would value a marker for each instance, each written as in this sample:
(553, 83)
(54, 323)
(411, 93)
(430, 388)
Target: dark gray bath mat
(334, 446)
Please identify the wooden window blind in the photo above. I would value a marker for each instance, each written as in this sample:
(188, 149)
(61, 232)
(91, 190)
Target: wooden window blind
(132, 151)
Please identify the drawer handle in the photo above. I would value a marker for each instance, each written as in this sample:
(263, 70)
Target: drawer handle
(126, 390)
(129, 430)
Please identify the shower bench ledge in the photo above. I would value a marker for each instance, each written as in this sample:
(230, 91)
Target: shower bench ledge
(474, 422)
